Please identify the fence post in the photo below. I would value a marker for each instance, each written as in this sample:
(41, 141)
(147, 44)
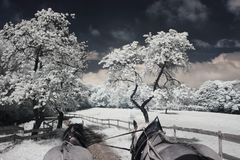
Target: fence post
(108, 123)
(129, 123)
(14, 138)
(220, 137)
(174, 132)
(22, 132)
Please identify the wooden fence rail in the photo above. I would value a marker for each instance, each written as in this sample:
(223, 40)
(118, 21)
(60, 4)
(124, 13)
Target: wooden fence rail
(221, 136)
(15, 137)
(109, 122)
(18, 133)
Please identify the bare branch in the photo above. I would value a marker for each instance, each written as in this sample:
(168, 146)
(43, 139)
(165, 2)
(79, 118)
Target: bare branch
(146, 101)
(169, 78)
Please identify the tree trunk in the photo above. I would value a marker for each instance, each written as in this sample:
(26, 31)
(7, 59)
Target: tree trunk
(39, 117)
(141, 107)
(166, 111)
(145, 114)
(60, 118)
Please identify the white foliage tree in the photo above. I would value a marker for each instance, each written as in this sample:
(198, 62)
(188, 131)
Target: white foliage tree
(43, 62)
(99, 96)
(106, 96)
(219, 96)
(133, 64)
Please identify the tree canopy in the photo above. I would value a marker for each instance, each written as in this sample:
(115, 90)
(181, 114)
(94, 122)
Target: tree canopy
(135, 63)
(41, 59)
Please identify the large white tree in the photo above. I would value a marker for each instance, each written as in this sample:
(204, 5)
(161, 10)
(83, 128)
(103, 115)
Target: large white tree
(42, 62)
(133, 64)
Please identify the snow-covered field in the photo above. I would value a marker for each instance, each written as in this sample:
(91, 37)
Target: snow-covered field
(29, 150)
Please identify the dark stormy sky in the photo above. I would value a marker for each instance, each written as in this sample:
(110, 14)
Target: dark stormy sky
(213, 25)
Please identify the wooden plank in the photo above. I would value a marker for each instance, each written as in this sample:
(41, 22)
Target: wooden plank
(167, 127)
(226, 136)
(38, 130)
(36, 136)
(7, 138)
(201, 131)
(229, 157)
(50, 118)
(220, 152)
(4, 128)
(194, 130)
(10, 129)
(174, 132)
(231, 137)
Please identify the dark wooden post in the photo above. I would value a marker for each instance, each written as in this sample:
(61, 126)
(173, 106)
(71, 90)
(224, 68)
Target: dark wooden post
(174, 132)
(220, 137)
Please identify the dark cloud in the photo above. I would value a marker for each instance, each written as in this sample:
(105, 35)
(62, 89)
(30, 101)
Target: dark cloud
(212, 25)
(201, 44)
(227, 43)
(123, 35)
(94, 31)
(175, 11)
(17, 18)
(234, 6)
(222, 43)
(6, 4)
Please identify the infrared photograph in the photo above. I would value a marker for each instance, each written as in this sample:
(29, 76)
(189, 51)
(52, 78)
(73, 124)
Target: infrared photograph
(120, 79)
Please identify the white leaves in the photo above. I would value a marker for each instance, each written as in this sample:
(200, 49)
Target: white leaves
(134, 64)
(41, 56)
(163, 48)
(168, 48)
(219, 95)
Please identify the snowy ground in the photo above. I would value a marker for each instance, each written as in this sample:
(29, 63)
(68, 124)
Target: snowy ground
(29, 150)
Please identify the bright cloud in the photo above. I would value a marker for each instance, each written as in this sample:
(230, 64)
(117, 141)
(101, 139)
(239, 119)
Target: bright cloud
(98, 78)
(223, 67)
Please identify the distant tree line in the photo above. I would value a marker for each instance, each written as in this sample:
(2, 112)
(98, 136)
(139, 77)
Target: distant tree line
(212, 96)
